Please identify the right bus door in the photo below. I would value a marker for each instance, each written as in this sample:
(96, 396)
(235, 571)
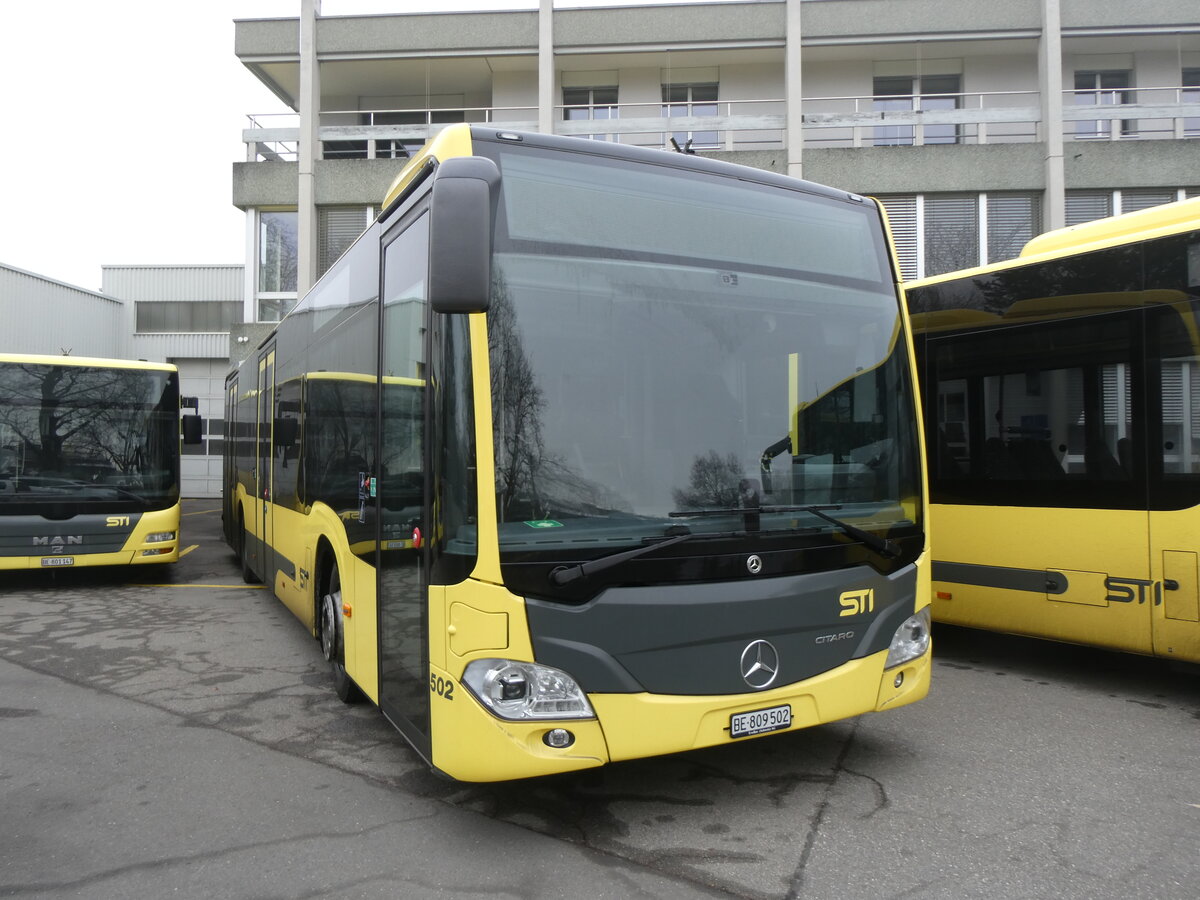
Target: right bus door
(1174, 369)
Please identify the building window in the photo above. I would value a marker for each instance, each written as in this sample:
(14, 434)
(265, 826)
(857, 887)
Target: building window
(1110, 87)
(589, 105)
(691, 100)
(1191, 94)
(187, 316)
(1012, 221)
(339, 227)
(277, 264)
(951, 226)
(907, 93)
(936, 233)
(1087, 206)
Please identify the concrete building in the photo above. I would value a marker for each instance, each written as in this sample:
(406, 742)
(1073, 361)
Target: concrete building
(175, 314)
(979, 124)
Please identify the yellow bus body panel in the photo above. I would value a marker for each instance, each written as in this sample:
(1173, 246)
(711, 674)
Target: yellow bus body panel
(129, 555)
(1175, 557)
(1086, 546)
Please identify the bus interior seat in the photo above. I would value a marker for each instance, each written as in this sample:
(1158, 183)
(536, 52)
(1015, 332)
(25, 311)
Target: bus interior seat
(1125, 454)
(1101, 463)
(998, 462)
(1036, 458)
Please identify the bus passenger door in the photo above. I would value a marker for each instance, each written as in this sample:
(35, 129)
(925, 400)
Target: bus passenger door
(266, 407)
(1174, 361)
(402, 493)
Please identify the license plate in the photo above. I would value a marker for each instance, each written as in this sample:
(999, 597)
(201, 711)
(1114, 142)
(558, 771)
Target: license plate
(58, 560)
(760, 721)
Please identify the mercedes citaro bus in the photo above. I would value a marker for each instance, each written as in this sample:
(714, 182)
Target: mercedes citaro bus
(1062, 396)
(585, 453)
(89, 462)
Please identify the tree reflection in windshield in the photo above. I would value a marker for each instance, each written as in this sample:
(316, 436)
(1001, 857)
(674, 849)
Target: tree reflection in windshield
(87, 431)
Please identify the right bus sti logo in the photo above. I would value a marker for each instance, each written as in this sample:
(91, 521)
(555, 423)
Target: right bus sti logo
(855, 602)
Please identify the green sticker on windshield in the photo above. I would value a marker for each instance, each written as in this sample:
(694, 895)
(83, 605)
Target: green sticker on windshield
(544, 523)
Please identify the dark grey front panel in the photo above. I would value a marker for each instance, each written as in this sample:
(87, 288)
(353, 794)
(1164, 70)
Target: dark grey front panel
(39, 536)
(690, 639)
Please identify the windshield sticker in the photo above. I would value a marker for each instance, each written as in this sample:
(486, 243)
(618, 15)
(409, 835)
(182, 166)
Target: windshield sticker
(544, 523)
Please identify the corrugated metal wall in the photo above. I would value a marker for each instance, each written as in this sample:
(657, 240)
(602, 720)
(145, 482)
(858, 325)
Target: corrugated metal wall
(39, 315)
(174, 283)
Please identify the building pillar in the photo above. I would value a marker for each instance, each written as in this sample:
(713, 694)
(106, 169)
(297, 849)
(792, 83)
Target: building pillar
(309, 150)
(546, 66)
(794, 136)
(1054, 201)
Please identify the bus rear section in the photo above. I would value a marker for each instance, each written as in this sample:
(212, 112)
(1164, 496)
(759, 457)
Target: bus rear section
(556, 486)
(89, 462)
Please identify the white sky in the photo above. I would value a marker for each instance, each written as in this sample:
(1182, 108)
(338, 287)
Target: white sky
(120, 122)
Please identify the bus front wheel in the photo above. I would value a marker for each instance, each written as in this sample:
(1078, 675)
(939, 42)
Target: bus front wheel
(332, 643)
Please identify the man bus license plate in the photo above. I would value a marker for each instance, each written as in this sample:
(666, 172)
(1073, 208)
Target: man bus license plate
(58, 560)
(760, 721)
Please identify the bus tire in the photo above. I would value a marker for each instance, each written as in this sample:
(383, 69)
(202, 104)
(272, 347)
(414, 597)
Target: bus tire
(248, 575)
(332, 643)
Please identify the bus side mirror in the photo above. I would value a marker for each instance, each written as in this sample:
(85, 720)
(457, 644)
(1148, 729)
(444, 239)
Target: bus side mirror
(193, 429)
(465, 192)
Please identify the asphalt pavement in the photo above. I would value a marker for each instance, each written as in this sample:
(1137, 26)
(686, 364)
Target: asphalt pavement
(174, 733)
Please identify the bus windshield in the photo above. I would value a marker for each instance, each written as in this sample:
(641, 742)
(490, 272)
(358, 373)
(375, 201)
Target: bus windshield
(78, 437)
(677, 352)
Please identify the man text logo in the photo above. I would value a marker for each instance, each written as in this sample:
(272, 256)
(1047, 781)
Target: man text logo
(856, 602)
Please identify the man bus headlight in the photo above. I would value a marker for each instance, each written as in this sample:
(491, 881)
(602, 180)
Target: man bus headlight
(522, 690)
(910, 640)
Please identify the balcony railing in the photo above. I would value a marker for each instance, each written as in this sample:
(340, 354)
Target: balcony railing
(760, 124)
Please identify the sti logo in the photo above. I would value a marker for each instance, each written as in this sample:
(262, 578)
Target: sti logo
(855, 602)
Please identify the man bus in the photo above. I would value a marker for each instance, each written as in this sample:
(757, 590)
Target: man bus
(1062, 394)
(585, 453)
(89, 462)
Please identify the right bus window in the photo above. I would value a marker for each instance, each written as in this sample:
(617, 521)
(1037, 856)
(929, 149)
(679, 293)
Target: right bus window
(1173, 282)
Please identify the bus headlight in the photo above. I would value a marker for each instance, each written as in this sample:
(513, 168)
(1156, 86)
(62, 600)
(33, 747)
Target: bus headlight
(522, 690)
(910, 640)
(158, 537)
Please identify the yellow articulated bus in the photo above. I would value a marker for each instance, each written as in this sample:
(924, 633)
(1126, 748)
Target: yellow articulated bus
(585, 453)
(89, 462)
(1062, 396)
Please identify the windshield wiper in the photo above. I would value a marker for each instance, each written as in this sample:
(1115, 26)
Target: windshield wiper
(567, 574)
(883, 546)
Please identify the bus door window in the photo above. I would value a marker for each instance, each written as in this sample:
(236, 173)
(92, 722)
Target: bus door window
(266, 392)
(404, 525)
(1173, 278)
(286, 462)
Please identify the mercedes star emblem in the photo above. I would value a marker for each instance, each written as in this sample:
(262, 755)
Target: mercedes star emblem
(760, 664)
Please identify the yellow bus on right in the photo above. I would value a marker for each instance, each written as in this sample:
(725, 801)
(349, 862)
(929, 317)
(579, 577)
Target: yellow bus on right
(1062, 405)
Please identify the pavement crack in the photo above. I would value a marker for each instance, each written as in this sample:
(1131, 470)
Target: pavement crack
(814, 826)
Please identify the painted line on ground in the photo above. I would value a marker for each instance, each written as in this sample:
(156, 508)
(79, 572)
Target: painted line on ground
(240, 587)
